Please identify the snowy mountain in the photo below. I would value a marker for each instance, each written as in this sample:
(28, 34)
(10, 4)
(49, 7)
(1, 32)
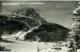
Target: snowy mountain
(29, 20)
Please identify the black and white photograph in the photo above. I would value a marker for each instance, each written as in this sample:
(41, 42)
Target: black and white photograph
(39, 26)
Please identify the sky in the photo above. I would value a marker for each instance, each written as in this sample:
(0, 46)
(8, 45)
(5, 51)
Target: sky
(59, 12)
(39, 0)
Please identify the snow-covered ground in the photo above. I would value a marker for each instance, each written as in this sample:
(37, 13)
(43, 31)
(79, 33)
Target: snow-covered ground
(21, 46)
(27, 46)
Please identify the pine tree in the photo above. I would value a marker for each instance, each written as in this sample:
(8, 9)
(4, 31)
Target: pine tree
(74, 37)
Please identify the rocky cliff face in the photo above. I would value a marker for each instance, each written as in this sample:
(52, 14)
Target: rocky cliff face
(35, 27)
(48, 33)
